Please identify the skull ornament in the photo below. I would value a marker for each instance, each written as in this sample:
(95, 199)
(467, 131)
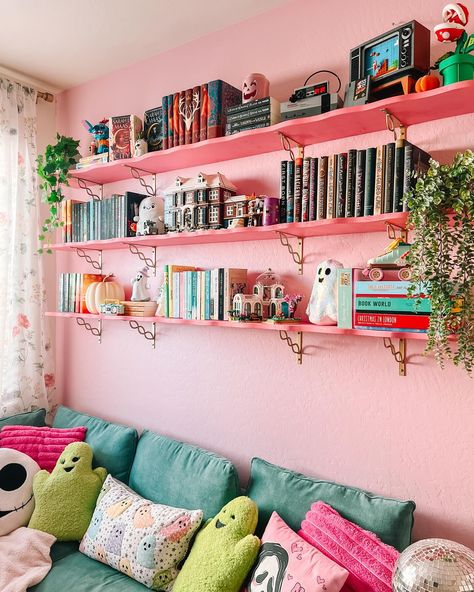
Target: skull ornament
(255, 86)
(16, 489)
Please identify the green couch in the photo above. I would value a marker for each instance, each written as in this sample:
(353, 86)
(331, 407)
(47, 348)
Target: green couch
(178, 474)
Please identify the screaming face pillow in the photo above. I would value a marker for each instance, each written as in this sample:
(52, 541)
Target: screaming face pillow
(16, 489)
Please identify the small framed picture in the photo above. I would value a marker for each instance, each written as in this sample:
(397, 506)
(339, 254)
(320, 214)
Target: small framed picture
(357, 92)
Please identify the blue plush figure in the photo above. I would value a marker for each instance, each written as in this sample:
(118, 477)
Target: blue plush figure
(114, 543)
(95, 524)
(146, 551)
(100, 132)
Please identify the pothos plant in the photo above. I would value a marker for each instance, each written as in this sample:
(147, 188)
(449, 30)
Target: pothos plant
(441, 208)
(53, 169)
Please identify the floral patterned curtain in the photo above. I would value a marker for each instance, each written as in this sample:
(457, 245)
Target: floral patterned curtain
(26, 378)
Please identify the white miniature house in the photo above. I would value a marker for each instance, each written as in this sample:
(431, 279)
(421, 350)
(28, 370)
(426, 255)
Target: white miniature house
(266, 299)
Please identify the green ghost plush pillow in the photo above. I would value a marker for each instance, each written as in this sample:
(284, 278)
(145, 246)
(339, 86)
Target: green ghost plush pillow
(66, 498)
(224, 551)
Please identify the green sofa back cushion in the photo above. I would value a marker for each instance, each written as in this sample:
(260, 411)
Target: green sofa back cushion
(291, 494)
(30, 418)
(113, 444)
(177, 474)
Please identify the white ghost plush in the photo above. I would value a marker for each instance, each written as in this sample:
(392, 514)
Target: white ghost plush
(150, 216)
(322, 306)
(16, 489)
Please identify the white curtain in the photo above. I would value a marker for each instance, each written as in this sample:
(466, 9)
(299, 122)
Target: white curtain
(26, 375)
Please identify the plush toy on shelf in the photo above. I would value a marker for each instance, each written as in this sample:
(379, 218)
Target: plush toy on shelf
(150, 218)
(100, 133)
(140, 286)
(322, 306)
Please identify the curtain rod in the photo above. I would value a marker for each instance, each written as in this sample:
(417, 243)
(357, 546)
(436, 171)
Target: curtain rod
(47, 93)
(46, 96)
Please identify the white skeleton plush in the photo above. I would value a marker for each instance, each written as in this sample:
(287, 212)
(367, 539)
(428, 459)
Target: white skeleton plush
(322, 306)
(150, 216)
(140, 286)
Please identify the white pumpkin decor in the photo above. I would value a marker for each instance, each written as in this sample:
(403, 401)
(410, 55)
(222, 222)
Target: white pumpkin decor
(322, 306)
(98, 292)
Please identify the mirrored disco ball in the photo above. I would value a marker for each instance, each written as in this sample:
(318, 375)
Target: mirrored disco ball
(435, 565)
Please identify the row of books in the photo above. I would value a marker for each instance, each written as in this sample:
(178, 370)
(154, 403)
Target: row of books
(112, 217)
(252, 115)
(357, 183)
(195, 294)
(383, 305)
(72, 291)
(198, 113)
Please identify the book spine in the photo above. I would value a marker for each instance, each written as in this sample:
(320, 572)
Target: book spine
(290, 190)
(392, 304)
(305, 205)
(341, 181)
(331, 195)
(215, 294)
(283, 189)
(207, 294)
(170, 121)
(298, 190)
(202, 310)
(344, 298)
(350, 183)
(182, 295)
(398, 176)
(417, 162)
(313, 189)
(379, 180)
(243, 107)
(90, 220)
(221, 280)
(321, 210)
(176, 296)
(245, 122)
(249, 114)
(194, 295)
(195, 128)
(69, 221)
(204, 113)
(181, 125)
(185, 115)
(176, 119)
(60, 306)
(166, 290)
(369, 189)
(214, 119)
(164, 105)
(360, 183)
(245, 128)
(389, 177)
(391, 321)
(384, 288)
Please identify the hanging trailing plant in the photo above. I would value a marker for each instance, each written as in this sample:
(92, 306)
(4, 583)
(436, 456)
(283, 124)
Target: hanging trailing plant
(441, 208)
(53, 168)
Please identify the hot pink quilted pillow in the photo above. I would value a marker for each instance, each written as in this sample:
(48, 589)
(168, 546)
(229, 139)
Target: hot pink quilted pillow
(370, 562)
(44, 445)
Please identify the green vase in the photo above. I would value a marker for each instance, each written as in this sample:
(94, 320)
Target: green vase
(459, 66)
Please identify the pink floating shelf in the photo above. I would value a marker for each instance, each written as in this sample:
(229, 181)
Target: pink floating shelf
(289, 327)
(447, 101)
(334, 226)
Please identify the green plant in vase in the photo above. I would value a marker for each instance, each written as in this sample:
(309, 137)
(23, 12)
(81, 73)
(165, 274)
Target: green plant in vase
(441, 215)
(53, 168)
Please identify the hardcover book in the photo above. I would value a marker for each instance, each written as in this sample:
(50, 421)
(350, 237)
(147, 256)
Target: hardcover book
(369, 189)
(344, 298)
(298, 189)
(360, 183)
(221, 96)
(170, 121)
(379, 180)
(398, 178)
(389, 177)
(123, 133)
(243, 107)
(322, 187)
(305, 189)
(181, 125)
(396, 304)
(313, 188)
(331, 190)
(283, 190)
(153, 127)
(363, 320)
(350, 183)
(176, 119)
(341, 182)
(165, 116)
(290, 188)
(417, 162)
(204, 113)
(196, 115)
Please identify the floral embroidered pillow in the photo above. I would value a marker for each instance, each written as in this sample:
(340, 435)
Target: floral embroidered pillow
(144, 540)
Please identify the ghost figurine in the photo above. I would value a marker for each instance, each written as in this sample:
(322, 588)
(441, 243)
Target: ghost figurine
(140, 286)
(255, 86)
(322, 306)
(150, 216)
(140, 148)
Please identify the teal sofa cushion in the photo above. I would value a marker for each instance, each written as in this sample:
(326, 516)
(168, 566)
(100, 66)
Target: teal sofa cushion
(114, 445)
(291, 494)
(31, 418)
(180, 475)
(78, 573)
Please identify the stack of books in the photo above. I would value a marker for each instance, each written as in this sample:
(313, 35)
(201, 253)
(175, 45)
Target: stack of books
(252, 115)
(357, 183)
(72, 291)
(87, 161)
(195, 294)
(112, 217)
(382, 305)
(139, 309)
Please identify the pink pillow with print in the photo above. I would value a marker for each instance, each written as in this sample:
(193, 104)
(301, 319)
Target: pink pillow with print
(287, 563)
(370, 562)
(45, 445)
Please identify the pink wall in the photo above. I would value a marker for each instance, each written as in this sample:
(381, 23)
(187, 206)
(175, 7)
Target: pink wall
(344, 414)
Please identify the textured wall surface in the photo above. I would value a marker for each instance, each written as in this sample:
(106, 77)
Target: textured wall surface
(345, 414)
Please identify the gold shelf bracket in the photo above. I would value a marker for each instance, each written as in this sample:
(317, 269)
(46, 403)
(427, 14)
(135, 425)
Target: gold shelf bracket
(399, 355)
(139, 175)
(296, 253)
(295, 346)
(286, 144)
(84, 184)
(148, 335)
(392, 123)
(393, 229)
(149, 261)
(96, 264)
(96, 331)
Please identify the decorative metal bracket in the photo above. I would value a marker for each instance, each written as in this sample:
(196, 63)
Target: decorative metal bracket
(149, 261)
(139, 175)
(96, 264)
(392, 230)
(96, 331)
(392, 122)
(296, 346)
(399, 355)
(84, 184)
(148, 335)
(296, 254)
(286, 144)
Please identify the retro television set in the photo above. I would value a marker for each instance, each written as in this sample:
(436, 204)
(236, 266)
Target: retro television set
(403, 51)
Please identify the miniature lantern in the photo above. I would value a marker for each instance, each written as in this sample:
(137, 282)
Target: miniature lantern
(254, 87)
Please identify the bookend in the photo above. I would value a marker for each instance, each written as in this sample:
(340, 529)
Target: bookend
(148, 335)
(296, 346)
(399, 355)
(96, 331)
(96, 264)
(84, 184)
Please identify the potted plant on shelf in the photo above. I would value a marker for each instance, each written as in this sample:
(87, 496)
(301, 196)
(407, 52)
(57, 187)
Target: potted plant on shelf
(53, 168)
(456, 65)
(441, 208)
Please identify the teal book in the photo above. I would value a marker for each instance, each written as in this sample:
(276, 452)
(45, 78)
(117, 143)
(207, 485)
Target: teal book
(344, 298)
(207, 294)
(395, 305)
(383, 287)
(369, 189)
(194, 295)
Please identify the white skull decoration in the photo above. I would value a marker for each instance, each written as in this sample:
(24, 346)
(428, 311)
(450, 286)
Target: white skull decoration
(150, 216)
(322, 306)
(16, 489)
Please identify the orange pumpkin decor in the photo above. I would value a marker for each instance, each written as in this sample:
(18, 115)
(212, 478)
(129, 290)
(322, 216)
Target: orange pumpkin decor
(427, 82)
(98, 292)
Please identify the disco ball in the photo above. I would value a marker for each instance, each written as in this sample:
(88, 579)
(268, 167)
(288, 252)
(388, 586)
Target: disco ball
(435, 565)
